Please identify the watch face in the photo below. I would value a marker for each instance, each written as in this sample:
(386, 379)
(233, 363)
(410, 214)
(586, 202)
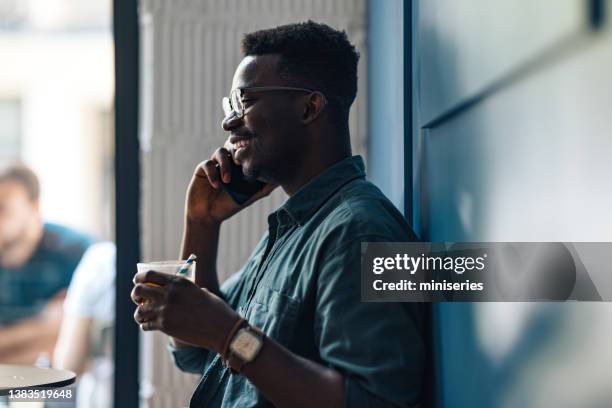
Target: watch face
(245, 345)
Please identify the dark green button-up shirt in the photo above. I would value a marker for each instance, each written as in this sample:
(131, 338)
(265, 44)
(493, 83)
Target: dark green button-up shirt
(301, 286)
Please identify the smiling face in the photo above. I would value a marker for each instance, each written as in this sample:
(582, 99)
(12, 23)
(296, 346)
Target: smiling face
(268, 139)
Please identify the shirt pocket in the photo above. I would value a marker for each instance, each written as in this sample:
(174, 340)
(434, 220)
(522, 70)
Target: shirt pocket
(275, 313)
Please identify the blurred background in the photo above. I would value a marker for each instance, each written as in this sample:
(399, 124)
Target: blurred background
(481, 121)
(57, 118)
(56, 105)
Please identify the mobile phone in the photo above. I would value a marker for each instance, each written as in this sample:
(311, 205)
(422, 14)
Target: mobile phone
(240, 188)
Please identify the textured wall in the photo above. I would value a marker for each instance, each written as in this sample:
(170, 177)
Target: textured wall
(189, 53)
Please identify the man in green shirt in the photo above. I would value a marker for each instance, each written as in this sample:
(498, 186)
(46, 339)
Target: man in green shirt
(289, 329)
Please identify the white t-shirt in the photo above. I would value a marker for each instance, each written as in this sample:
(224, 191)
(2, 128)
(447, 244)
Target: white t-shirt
(91, 294)
(92, 289)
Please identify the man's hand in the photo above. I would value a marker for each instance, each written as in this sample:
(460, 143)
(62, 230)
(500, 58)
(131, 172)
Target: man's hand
(206, 201)
(177, 307)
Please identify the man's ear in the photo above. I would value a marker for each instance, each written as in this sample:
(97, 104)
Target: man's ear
(313, 107)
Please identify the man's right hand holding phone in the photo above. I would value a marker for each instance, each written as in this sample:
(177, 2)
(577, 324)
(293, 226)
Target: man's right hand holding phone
(207, 202)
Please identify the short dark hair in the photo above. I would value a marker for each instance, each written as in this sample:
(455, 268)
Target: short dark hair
(312, 55)
(21, 174)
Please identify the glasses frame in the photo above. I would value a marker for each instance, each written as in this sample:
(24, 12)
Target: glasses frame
(235, 97)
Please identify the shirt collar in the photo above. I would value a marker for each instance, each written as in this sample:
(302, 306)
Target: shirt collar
(300, 206)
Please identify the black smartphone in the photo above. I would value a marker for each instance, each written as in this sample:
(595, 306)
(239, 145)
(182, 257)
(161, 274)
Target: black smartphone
(239, 187)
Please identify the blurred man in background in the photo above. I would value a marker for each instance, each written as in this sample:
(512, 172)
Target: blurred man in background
(36, 265)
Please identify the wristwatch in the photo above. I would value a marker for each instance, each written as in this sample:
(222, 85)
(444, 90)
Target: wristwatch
(244, 347)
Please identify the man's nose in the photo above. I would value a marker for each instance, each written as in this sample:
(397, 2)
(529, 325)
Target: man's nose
(231, 121)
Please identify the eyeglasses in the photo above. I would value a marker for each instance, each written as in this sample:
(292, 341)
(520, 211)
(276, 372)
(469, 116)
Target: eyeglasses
(235, 105)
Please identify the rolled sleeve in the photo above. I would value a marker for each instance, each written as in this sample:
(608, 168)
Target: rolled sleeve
(193, 359)
(189, 359)
(377, 346)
